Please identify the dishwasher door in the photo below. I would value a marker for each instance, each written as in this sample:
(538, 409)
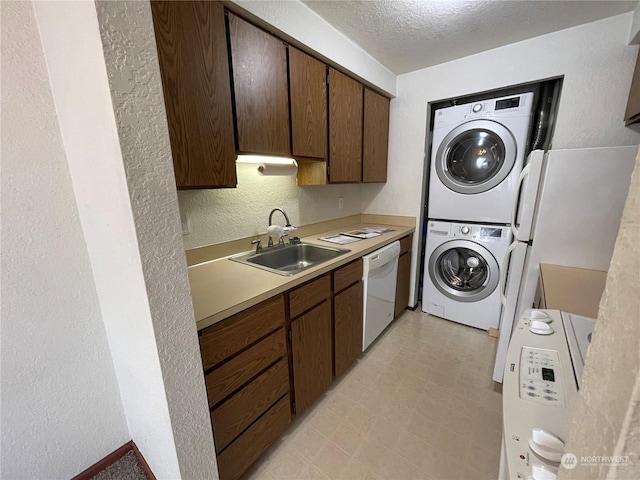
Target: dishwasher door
(380, 272)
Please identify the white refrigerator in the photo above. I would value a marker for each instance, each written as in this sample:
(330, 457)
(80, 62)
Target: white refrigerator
(566, 211)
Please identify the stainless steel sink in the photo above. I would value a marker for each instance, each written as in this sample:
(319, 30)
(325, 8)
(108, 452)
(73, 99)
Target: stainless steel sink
(290, 259)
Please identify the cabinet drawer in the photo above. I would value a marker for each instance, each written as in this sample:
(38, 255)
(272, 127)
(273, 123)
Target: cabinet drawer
(347, 275)
(303, 298)
(247, 448)
(229, 336)
(232, 375)
(241, 410)
(405, 244)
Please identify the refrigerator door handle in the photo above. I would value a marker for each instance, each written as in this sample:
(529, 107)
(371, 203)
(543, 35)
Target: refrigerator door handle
(503, 272)
(514, 208)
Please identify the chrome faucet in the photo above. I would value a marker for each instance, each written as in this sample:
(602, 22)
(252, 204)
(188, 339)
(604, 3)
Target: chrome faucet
(283, 213)
(278, 230)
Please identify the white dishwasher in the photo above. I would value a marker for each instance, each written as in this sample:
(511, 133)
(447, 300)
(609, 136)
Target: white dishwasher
(380, 272)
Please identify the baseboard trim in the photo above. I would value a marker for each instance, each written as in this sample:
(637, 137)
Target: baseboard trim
(413, 309)
(143, 462)
(113, 457)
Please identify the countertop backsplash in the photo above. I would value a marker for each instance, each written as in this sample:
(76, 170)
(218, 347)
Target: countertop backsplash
(222, 215)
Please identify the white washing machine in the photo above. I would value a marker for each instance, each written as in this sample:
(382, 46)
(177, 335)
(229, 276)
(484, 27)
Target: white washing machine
(462, 272)
(477, 154)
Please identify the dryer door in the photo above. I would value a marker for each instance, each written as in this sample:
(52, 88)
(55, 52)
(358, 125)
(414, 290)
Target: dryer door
(476, 156)
(464, 271)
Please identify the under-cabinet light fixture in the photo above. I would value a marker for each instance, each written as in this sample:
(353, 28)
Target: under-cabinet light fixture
(257, 159)
(268, 166)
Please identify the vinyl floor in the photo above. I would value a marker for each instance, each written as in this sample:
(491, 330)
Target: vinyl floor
(420, 404)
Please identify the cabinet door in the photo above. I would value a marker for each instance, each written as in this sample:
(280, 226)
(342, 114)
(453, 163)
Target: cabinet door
(308, 86)
(311, 352)
(345, 128)
(402, 286)
(194, 64)
(347, 311)
(375, 137)
(259, 63)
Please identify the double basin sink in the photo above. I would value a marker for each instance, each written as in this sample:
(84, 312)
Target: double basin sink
(289, 259)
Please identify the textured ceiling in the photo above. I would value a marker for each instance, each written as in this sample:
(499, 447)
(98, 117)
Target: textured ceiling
(406, 35)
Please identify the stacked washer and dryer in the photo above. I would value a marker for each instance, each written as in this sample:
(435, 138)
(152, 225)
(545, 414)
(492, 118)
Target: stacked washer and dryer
(477, 153)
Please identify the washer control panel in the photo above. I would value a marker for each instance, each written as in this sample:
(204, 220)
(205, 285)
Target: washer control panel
(480, 232)
(539, 381)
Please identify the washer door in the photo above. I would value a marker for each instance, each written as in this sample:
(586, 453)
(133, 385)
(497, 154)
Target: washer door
(464, 271)
(476, 156)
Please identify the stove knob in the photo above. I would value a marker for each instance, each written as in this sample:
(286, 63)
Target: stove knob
(543, 472)
(540, 328)
(477, 107)
(540, 315)
(546, 445)
(465, 230)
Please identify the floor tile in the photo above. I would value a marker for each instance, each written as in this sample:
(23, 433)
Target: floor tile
(331, 460)
(308, 441)
(348, 438)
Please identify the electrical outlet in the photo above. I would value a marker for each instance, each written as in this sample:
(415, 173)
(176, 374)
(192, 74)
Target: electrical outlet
(340, 203)
(186, 225)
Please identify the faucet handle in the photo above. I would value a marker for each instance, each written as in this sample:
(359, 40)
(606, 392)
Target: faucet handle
(258, 244)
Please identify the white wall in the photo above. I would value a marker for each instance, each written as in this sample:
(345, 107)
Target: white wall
(297, 20)
(597, 66)
(221, 215)
(606, 416)
(61, 408)
(72, 45)
(128, 42)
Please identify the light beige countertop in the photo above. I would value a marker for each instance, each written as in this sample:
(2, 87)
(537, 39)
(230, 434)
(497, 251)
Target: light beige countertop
(574, 290)
(221, 288)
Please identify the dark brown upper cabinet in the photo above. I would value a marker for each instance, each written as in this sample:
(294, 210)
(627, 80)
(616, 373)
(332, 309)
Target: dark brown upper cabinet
(308, 87)
(375, 137)
(345, 128)
(192, 52)
(632, 114)
(261, 89)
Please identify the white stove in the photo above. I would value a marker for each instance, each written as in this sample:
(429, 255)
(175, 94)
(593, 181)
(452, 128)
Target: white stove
(541, 381)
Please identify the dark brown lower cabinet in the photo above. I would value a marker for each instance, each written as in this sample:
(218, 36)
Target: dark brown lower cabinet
(311, 353)
(404, 275)
(237, 458)
(254, 374)
(347, 316)
(244, 407)
(247, 377)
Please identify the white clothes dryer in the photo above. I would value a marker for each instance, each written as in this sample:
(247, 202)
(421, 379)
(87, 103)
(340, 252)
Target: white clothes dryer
(477, 154)
(462, 272)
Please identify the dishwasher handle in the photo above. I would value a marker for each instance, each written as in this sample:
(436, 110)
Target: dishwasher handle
(381, 257)
(382, 270)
